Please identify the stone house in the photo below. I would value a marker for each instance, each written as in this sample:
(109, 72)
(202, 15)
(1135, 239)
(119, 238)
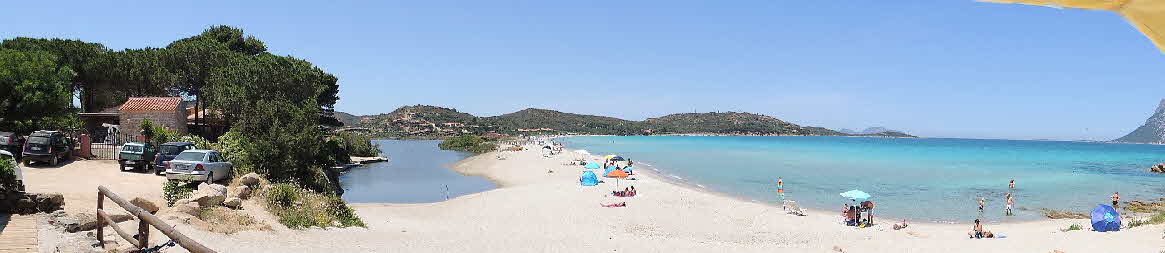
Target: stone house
(169, 112)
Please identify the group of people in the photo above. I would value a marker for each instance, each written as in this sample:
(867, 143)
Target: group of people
(1009, 201)
(853, 214)
(626, 192)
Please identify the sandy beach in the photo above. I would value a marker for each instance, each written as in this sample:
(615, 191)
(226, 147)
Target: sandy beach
(537, 211)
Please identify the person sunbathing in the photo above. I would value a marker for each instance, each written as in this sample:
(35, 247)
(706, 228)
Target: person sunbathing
(901, 226)
(620, 204)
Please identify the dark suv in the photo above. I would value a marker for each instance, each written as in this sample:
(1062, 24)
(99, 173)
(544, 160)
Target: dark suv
(167, 151)
(11, 142)
(47, 146)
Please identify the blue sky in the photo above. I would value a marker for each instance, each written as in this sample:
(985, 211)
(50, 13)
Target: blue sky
(947, 68)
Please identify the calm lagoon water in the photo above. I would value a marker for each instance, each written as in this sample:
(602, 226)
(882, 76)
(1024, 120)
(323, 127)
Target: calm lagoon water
(418, 172)
(923, 179)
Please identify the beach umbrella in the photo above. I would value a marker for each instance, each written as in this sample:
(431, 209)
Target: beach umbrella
(617, 174)
(1105, 218)
(627, 169)
(616, 158)
(1148, 16)
(592, 165)
(608, 157)
(609, 169)
(856, 195)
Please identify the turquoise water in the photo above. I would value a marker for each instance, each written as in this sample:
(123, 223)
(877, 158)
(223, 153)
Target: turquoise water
(417, 173)
(920, 179)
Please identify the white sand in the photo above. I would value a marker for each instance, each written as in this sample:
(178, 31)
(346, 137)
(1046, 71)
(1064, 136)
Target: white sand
(536, 211)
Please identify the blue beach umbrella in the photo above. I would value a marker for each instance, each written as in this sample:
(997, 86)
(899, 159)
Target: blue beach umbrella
(856, 195)
(592, 165)
(628, 169)
(1105, 218)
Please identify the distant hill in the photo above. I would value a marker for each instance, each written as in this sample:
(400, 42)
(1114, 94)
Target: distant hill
(532, 118)
(423, 121)
(1153, 131)
(868, 131)
(722, 123)
(346, 118)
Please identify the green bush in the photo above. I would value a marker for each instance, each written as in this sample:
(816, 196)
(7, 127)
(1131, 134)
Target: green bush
(233, 148)
(468, 143)
(1157, 218)
(358, 144)
(299, 208)
(7, 174)
(198, 141)
(173, 190)
(156, 134)
(1074, 227)
(283, 195)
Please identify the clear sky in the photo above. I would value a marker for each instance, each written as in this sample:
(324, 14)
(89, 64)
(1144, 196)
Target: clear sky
(950, 68)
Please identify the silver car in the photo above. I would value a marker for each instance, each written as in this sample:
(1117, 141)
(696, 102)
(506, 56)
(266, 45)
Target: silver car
(199, 165)
(16, 167)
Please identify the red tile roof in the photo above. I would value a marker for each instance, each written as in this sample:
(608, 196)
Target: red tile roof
(151, 104)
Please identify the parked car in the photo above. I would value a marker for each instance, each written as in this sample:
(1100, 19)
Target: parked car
(5, 155)
(167, 151)
(47, 146)
(11, 142)
(136, 155)
(199, 165)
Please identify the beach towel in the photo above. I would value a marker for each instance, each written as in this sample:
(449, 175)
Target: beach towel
(589, 179)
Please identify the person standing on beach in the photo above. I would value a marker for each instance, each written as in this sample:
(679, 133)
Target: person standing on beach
(1010, 202)
(1116, 198)
(781, 187)
(982, 201)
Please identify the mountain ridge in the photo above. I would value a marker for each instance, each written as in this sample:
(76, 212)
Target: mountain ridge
(429, 121)
(1153, 131)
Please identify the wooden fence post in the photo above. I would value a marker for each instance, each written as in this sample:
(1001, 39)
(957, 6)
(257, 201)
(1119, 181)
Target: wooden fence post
(100, 221)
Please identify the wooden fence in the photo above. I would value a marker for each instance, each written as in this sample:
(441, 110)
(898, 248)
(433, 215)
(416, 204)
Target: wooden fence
(145, 220)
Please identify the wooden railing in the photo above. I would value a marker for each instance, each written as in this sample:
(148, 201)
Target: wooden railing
(145, 220)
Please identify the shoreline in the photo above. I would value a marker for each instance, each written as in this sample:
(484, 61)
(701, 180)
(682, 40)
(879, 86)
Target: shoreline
(534, 210)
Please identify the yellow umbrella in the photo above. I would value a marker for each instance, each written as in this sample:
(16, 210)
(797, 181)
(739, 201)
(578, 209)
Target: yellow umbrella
(1147, 15)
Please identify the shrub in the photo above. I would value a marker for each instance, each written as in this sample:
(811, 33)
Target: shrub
(1136, 223)
(198, 141)
(1074, 227)
(299, 208)
(173, 190)
(468, 143)
(156, 134)
(7, 175)
(1157, 218)
(358, 144)
(282, 195)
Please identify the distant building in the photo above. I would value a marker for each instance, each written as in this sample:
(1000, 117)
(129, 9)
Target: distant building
(169, 112)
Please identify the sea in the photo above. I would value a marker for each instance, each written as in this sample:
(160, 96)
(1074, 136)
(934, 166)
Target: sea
(927, 179)
(418, 172)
